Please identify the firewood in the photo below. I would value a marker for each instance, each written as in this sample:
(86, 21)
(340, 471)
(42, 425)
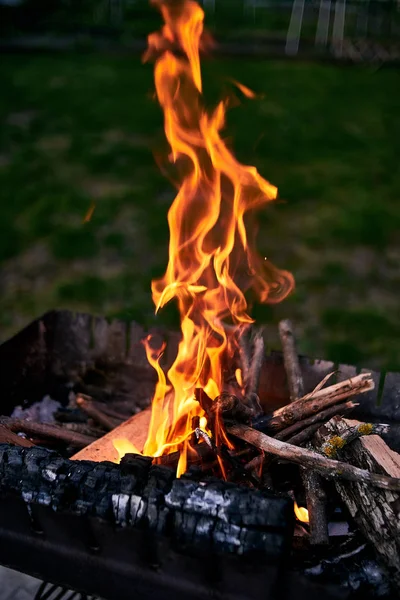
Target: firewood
(319, 400)
(134, 430)
(312, 481)
(85, 429)
(376, 511)
(303, 436)
(9, 437)
(46, 430)
(256, 363)
(320, 417)
(316, 506)
(86, 405)
(291, 361)
(330, 469)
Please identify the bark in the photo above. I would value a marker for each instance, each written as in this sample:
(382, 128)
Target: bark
(376, 511)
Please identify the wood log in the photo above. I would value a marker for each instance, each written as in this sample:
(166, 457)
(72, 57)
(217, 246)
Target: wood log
(376, 511)
(9, 437)
(330, 469)
(211, 516)
(319, 400)
(312, 481)
(316, 506)
(134, 430)
(46, 430)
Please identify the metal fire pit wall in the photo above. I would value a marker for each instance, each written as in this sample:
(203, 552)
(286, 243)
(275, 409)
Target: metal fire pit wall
(134, 530)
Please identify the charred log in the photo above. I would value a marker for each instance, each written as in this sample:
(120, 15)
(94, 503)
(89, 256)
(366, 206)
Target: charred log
(214, 516)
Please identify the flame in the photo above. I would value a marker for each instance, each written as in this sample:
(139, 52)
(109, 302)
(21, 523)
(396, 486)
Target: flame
(123, 447)
(212, 259)
(301, 513)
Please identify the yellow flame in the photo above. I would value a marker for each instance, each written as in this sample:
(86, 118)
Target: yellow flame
(301, 513)
(212, 256)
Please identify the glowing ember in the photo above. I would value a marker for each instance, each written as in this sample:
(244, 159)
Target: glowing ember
(212, 258)
(301, 513)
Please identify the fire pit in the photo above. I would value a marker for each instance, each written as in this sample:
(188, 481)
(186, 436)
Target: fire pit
(109, 529)
(196, 495)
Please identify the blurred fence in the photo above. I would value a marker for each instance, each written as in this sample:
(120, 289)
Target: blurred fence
(353, 29)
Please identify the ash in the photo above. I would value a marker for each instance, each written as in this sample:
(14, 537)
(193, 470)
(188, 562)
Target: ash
(40, 412)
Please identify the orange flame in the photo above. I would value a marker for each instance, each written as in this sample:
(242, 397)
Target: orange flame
(212, 259)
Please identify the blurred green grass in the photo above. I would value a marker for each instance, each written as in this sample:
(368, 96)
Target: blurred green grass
(78, 129)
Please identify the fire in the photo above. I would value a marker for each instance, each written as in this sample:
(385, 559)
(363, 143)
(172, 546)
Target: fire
(301, 513)
(212, 258)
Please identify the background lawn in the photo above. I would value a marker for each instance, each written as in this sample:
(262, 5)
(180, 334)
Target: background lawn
(78, 129)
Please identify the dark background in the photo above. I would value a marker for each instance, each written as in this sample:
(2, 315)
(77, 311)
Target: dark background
(80, 126)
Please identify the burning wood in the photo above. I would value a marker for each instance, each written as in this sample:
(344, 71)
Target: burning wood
(127, 438)
(206, 411)
(313, 484)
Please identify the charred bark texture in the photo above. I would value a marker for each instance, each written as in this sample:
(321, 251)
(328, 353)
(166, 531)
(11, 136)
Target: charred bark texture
(203, 516)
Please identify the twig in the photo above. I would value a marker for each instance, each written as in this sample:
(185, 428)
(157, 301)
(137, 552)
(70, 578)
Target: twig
(324, 415)
(107, 410)
(83, 428)
(331, 469)
(316, 401)
(305, 435)
(86, 405)
(9, 437)
(256, 363)
(303, 431)
(315, 495)
(291, 360)
(45, 430)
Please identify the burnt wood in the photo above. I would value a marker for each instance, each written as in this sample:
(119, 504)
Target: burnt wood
(135, 516)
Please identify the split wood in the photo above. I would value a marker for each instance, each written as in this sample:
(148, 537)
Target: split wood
(376, 511)
(312, 481)
(134, 430)
(330, 469)
(86, 404)
(46, 430)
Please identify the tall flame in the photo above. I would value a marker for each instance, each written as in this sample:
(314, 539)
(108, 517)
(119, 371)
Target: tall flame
(212, 258)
